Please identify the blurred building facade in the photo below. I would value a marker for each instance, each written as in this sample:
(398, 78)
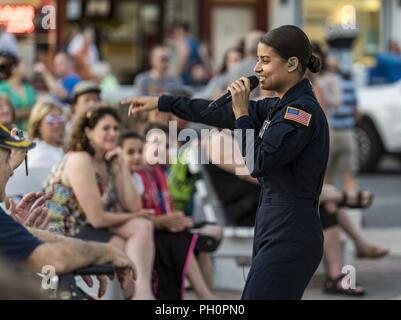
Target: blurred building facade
(222, 23)
(375, 22)
(33, 25)
(127, 29)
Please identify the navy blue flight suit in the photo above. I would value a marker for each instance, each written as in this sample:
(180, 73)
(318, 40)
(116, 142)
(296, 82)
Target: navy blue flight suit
(290, 152)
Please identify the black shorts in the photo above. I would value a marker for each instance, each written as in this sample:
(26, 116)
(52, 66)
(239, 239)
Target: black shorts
(89, 233)
(329, 220)
(173, 251)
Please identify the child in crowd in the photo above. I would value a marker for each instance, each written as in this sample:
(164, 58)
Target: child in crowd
(132, 145)
(151, 182)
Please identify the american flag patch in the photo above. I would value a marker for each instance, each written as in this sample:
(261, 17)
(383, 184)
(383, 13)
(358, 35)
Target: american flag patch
(298, 115)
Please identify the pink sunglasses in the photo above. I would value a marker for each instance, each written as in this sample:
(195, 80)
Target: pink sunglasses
(54, 119)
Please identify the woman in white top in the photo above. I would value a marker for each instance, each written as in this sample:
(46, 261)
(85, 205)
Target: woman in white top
(46, 128)
(327, 83)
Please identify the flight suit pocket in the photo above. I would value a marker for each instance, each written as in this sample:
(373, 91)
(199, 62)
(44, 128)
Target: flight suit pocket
(274, 135)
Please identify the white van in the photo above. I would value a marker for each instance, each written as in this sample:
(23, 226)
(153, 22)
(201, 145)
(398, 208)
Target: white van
(379, 132)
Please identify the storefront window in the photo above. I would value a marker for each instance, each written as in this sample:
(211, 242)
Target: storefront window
(32, 23)
(364, 15)
(126, 31)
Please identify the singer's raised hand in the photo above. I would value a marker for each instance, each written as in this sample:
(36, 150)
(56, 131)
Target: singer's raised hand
(141, 104)
(240, 90)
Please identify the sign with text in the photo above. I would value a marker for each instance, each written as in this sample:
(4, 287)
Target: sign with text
(17, 18)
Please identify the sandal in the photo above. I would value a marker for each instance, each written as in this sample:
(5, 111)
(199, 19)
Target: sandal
(373, 252)
(334, 286)
(360, 202)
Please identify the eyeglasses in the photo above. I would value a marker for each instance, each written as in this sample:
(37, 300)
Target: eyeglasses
(55, 119)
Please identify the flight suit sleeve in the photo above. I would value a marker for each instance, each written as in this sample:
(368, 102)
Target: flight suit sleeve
(190, 109)
(280, 144)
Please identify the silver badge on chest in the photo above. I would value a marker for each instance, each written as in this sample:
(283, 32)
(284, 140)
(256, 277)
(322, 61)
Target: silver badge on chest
(264, 128)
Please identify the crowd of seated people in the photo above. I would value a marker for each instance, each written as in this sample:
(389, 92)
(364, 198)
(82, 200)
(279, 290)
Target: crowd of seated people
(92, 198)
(115, 195)
(23, 243)
(150, 179)
(90, 193)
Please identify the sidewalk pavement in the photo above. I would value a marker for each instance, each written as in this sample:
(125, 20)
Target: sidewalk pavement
(381, 278)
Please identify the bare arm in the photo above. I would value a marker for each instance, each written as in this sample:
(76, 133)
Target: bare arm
(182, 54)
(51, 82)
(54, 86)
(223, 151)
(81, 177)
(46, 236)
(67, 254)
(127, 194)
(126, 191)
(173, 222)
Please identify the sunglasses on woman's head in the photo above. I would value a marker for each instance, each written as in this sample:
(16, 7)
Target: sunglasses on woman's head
(54, 119)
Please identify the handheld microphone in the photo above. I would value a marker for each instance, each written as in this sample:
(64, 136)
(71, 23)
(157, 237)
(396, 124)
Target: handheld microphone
(216, 104)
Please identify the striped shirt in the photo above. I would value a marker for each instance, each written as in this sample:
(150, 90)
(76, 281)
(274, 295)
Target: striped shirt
(343, 117)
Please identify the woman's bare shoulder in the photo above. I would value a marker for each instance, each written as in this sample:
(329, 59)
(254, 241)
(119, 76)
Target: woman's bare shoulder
(78, 160)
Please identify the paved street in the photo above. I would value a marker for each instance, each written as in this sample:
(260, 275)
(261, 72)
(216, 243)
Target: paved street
(380, 278)
(386, 185)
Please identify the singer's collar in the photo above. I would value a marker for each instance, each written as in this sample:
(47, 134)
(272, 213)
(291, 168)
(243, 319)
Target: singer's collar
(302, 87)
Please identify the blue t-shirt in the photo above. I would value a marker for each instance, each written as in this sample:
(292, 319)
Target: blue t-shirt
(16, 243)
(69, 83)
